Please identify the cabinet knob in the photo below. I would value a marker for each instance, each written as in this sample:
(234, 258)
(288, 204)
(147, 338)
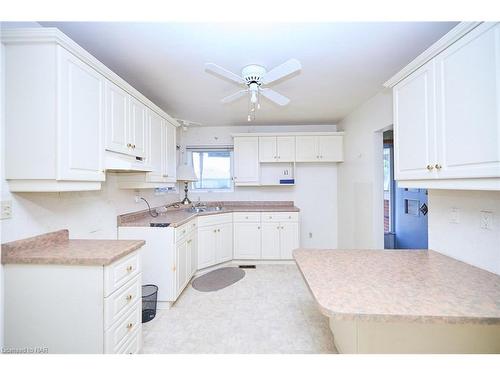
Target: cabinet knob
(438, 166)
(129, 144)
(218, 230)
(277, 227)
(215, 230)
(129, 297)
(129, 268)
(133, 146)
(258, 227)
(430, 167)
(129, 326)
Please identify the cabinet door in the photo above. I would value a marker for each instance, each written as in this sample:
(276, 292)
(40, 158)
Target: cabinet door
(117, 117)
(157, 137)
(80, 120)
(206, 246)
(306, 148)
(289, 239)
(270, 241)
(468, 97)
(181, 266)
(246, 160)
(414, 125)
(171, 154)
(285, 148)
(267, 149)
(224, 249)
(247, 240)
(330, 148)
(138, 130)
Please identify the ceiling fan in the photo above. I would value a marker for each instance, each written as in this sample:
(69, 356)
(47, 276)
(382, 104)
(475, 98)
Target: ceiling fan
(256, 78)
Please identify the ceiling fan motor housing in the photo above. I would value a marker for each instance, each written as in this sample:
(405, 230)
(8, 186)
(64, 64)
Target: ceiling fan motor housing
(253, 74)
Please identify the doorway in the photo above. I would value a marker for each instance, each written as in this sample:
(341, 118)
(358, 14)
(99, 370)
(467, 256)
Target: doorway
(405, 209)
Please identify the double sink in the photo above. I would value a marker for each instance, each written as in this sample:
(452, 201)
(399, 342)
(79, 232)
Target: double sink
(195, 209)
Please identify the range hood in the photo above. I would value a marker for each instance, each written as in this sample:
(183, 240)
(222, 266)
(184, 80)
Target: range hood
(116, 162)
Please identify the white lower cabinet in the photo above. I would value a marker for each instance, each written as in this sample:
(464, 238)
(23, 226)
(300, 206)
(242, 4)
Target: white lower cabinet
(215, 243)
(247, 243)
(75, 308)
(279, 240)
(185, 261)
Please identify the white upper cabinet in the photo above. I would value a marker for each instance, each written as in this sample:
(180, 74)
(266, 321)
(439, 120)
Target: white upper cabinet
(319, 148)
(117, 118)
(81, 116)
(414, 125)
(447, 118)
(157, 147)
(330, 148)
(54, 118)
(71, 112)
(306, 148)
(267, 149)
(246, 160)
(277, 149)
(171, 153)
(138, 129)
(468, 105)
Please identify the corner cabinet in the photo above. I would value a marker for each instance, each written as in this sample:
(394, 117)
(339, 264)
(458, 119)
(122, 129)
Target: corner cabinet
(447, 116)
(68, 118)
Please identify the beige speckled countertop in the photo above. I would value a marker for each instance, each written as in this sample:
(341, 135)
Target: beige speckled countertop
(57, 248)
(399, 285)
(179, 216)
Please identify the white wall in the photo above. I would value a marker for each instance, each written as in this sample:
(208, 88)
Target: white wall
(360, 176)
(315, 192)
(465, 240)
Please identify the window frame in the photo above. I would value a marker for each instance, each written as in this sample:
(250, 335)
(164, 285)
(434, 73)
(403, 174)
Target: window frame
(189, 152)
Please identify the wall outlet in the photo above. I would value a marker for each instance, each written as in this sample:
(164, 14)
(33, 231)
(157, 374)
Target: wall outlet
(455, 215)
(6, 210)
(137, 198)
(486, 220)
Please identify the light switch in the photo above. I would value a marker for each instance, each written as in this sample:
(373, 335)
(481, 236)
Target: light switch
(455, 215)
(486, 220)
(6, 210)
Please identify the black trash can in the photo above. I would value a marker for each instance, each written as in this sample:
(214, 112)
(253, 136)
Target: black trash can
(149, 297)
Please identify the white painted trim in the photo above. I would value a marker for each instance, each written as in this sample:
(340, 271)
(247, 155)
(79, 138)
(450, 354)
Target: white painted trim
(449, 38)
(284, 134)
(54, 35)
(453, 184)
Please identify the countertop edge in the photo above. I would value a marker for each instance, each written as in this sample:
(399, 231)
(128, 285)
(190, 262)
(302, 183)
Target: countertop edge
(388, 318)
(100, 262)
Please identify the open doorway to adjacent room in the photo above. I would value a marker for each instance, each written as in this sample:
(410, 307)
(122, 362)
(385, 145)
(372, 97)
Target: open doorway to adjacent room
(405, 209)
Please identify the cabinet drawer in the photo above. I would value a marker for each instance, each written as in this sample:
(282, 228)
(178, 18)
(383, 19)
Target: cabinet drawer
(121, 300)
(204, 221)
(133, 345)
(280, 216)
(242, 217)
(123, 330)
(120, 272)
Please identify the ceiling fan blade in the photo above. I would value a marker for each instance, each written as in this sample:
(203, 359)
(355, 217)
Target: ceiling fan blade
(233, 97)
(220, 71)
(283, 70)
(275, 96)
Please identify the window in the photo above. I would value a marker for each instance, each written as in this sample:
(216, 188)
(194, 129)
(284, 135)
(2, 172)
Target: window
(213, 168)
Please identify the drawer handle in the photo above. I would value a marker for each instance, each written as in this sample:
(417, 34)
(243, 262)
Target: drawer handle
(129, 326)
(189, 241)
(246, 217)
(129, 297)
(129, 268)
(289, 217)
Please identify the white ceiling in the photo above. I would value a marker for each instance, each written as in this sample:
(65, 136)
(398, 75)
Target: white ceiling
(343, 64)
